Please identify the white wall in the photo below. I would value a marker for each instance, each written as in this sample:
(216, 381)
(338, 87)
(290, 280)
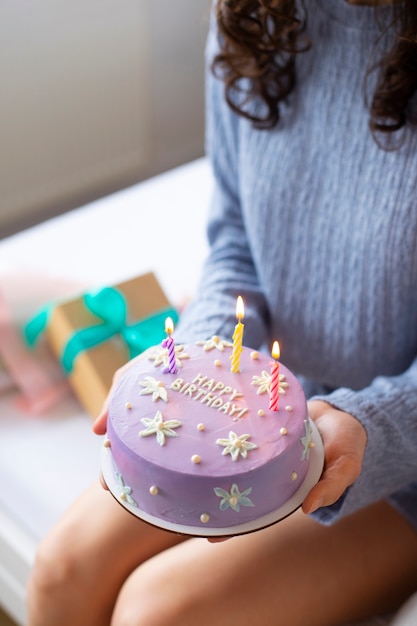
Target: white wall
(95, 95)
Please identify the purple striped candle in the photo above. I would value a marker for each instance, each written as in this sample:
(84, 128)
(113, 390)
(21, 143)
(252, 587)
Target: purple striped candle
(169, 344)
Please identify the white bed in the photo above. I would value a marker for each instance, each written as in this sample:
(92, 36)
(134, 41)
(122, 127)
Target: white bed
(143, 228)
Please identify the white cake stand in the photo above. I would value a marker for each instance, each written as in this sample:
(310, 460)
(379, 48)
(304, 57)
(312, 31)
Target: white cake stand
(109, 470)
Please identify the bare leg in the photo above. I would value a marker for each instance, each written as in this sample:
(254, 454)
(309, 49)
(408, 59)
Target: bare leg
(84, 561)
(296, 573)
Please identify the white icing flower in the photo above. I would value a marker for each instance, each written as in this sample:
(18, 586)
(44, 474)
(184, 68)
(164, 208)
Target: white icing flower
(155, 387)
(158, 427)
(264, 383)
(236, 445)
(125, 491)
(160, 356)
(233, 499)
(215, 342)
(306, 441)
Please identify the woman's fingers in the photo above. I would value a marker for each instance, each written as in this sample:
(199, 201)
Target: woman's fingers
(344, 440)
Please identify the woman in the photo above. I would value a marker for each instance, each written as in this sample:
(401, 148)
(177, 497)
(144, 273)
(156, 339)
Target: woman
(313, 220)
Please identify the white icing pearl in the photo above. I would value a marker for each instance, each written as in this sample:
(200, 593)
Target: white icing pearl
(128, 405)
(261, 412)
(294, 475)
(288, 408)
(254, 355)
(217, 363)
(107, 443)
(200, 426)
(311, 444)
(123, 496)
(204, 518)
(153, 490)
(283, 431)
(196, 458)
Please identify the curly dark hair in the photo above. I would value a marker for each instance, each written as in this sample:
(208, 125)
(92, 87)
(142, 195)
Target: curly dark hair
(259, 40)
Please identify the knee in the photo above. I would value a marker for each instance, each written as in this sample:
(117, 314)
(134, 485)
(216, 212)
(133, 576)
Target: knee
(56, 568)
(148, 614)
(145, 610)
(146, 602)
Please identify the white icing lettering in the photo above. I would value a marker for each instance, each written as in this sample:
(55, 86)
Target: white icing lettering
(225, 390)
(199, 379)
(207, 399)
(190, 390)
(212, 393)
(217, 402)
(225, 408)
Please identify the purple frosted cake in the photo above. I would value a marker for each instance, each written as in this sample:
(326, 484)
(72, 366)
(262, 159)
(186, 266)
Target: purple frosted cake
(195, 448)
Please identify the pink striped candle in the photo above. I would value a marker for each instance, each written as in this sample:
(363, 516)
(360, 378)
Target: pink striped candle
(169, 344)
(274, 385)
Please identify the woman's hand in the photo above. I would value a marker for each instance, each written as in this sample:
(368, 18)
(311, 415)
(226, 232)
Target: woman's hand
(100, 423)
(344, 440)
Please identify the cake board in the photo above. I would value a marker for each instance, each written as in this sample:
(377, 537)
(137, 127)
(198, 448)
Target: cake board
(109, 470)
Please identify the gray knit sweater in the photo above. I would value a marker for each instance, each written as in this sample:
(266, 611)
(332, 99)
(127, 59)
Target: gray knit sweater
(316, 226)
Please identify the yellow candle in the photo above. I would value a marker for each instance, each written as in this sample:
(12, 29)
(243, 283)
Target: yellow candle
(237, 337)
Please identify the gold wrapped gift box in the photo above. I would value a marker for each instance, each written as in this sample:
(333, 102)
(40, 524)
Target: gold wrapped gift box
(91, 371)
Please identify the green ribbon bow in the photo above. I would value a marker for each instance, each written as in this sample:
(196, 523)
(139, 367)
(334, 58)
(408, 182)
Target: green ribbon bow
(109, 305)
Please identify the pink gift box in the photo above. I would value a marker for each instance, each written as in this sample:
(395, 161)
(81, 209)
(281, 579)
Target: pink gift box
(34, 374)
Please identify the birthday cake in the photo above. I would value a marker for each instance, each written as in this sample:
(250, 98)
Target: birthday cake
(194, 447)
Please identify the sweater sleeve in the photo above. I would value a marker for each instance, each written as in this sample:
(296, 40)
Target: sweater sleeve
(387, 408)
(229, 270)
(388, 411)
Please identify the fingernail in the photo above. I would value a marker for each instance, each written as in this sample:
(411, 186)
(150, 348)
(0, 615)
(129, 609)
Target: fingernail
(317, 504)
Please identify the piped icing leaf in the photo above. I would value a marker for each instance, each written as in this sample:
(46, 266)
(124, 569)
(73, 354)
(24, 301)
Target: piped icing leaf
(264, 383)
(215, 342)
(160, 356)
(158, 427)
(306, 441)
(155, 387)
(236, 445)
(233, 498)
(282, 385)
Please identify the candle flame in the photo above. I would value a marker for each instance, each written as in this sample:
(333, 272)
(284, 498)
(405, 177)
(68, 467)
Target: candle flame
(169, 325)
(275, 350)
(240, 309)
